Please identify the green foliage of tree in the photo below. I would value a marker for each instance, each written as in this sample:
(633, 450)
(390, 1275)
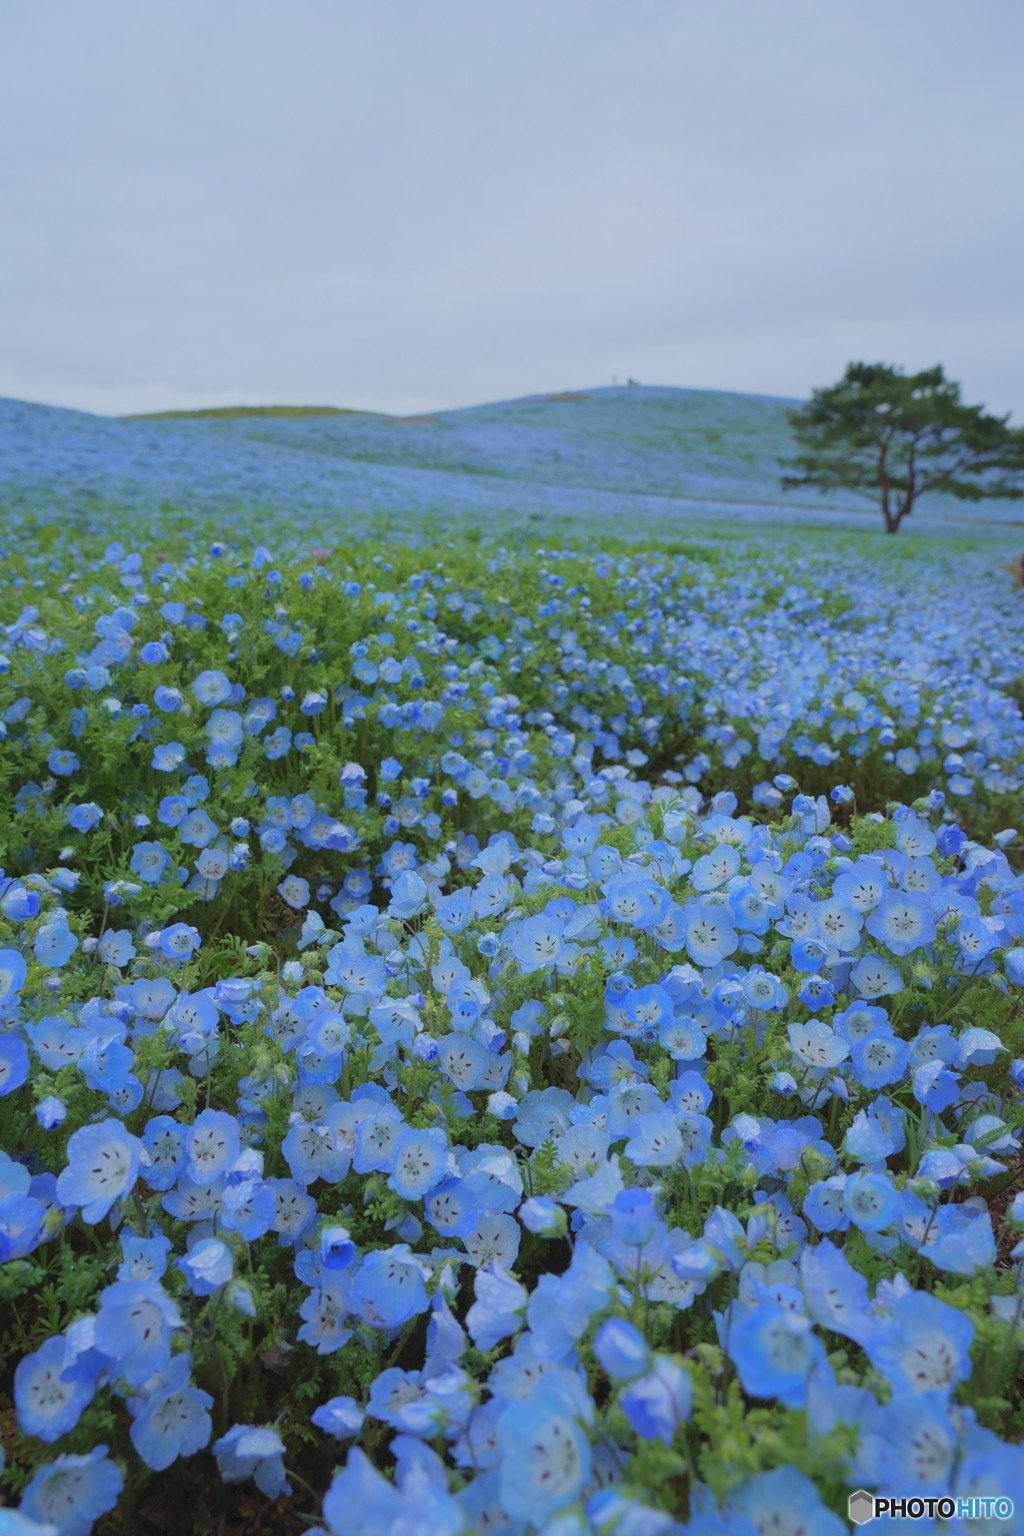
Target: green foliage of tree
(893, 436)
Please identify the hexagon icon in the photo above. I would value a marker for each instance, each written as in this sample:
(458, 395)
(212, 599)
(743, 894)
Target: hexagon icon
(861, 1507)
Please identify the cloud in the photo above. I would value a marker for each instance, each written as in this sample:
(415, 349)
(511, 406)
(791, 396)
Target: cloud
(408, 207)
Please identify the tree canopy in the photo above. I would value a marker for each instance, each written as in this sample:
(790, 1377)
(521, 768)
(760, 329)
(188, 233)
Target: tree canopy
(894, 436)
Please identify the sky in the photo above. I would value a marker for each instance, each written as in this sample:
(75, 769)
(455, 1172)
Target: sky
(404, 206)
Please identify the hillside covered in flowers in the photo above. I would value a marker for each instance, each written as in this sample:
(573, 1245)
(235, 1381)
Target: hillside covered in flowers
(506, 1038)
(641, 459)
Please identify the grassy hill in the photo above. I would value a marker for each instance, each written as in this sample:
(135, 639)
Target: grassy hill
(633, 458)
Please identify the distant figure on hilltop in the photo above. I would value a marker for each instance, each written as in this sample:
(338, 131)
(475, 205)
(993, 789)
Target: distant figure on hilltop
(1017, 567)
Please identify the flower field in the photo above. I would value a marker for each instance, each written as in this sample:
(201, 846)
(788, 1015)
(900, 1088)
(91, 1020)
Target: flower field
(625, 457)
(507, 1039)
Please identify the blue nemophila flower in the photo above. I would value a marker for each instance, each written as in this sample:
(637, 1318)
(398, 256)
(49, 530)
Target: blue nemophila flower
(48, 1405)
(774, 1350)
(682, 1036)
(543, 1216)
(637, 902)
(150, 861)
(253, 1451)
(420, 1159)
(312, 1152)
(73, 1492)
(337, 1250)
(959, 1242)
(189, 1201)
(934, 1044)
(12, 976)
(167, 699)
(151, 998)
(63, 763)
(207, 1266)
(409, 896)
(649, 1007)
(324, 1312)
(808, 953)
(172, 810)
(341, 1417)
(836, 1294)
(880, 1060)
(978, 1048)
(538, 943)
(868, 1139)
(103, 1164)
(247, 1203)
(389, 1287)
(935, 1087)
(198, 829)
(656, 1141)
(211, 687)
(211, 1146)
(545, 1452)
(872, 1201)
(18, 903)
(54, 943)
(172, 1424)
(178, 942)
(14, 1063)
(168, 756)
(83, 817)
(622, 1349)
(133, 1328)
(783, 1499)
(144, 1258)
(295, 892)
(709, 934)
(561, 1308)
(453, 912)
(51, 1112)
(116, 947)
(825, 1204)
(714, 869)
(816, 993)
(992, 1472)
(56, 1041)
(923, 1344)
(164, 1140)
(902, 921)
(659, 1403)
(634, 1217)
(817, 1045)
(401, 1399)
(360, 1498)
(498, 1309)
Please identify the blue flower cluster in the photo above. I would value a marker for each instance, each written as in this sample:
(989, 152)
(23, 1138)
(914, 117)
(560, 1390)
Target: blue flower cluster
(434, 1023)
(391, 1046)
(480, 707)
(619, 456)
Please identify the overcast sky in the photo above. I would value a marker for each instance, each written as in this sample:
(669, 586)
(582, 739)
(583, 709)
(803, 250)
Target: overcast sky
(408, 204)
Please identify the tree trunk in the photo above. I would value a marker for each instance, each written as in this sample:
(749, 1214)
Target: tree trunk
(893, 519)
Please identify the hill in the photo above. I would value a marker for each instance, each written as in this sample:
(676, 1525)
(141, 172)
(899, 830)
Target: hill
(638, 456)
